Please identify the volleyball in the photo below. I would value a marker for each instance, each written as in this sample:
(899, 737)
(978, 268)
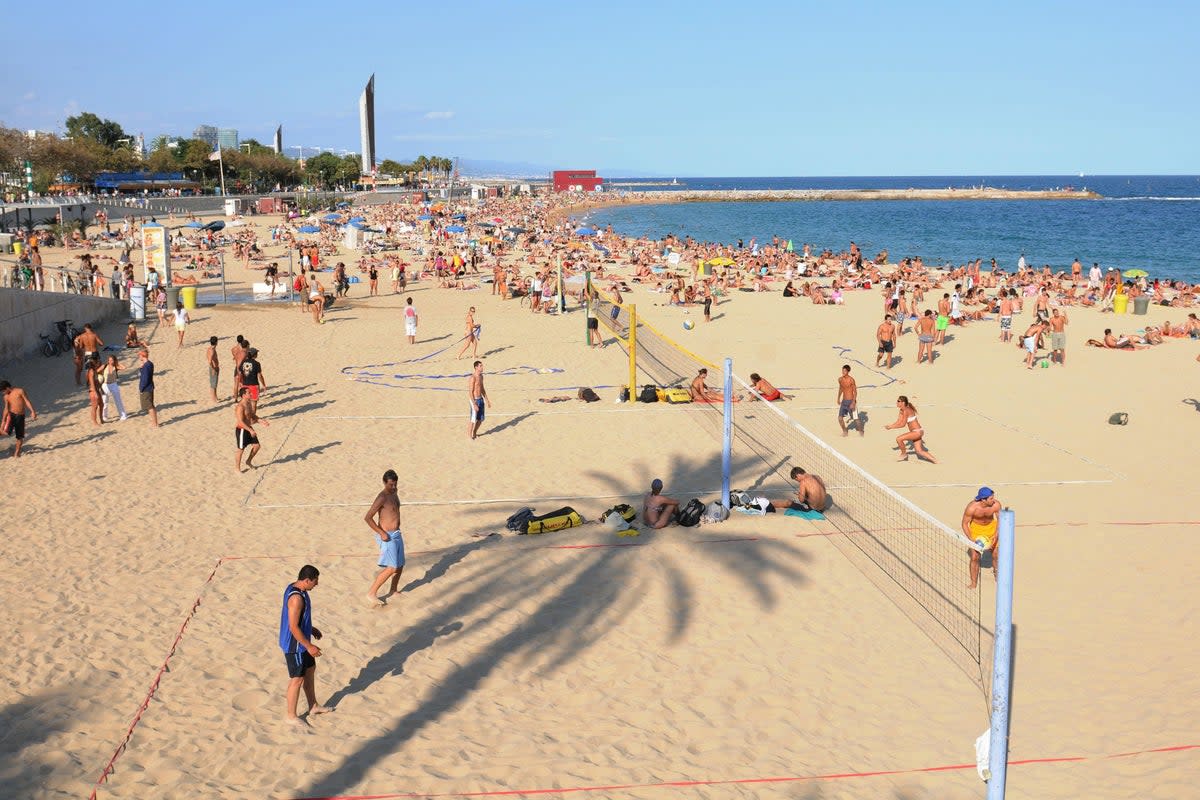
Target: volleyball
(688, 324)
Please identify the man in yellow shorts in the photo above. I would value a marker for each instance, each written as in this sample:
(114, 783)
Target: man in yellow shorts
(981, 524)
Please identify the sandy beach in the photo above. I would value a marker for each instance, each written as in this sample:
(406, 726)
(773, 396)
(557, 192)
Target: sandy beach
(749, 658)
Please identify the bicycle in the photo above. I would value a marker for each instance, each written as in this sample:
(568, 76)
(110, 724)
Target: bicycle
(66, 334)
(49, 348)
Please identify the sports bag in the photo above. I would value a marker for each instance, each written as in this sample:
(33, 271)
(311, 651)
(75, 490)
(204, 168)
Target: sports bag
(649, 394)
(690, 513)
(716, 512)
(678, 396)
(563, 518)
(622, 510)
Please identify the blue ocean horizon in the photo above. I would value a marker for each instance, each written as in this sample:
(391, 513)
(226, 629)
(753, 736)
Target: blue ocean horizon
(1146, 221)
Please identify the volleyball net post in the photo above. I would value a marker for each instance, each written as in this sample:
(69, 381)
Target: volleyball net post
(1002, 659)
(727, 432)
(587, 308)
(631, 346)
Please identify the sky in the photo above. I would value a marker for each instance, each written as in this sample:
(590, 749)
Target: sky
(656, 88)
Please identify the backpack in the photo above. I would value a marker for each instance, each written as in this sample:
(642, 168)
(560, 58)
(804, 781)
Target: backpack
(519, 522)
(649, 394)
(689, 515)
(588, 395)
(622, 510)
(716, 512)
(561, 519)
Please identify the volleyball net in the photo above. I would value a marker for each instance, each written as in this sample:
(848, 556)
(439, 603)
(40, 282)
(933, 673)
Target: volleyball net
(916, 560)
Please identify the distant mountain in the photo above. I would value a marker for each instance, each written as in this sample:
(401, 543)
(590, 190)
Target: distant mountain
(485, 168)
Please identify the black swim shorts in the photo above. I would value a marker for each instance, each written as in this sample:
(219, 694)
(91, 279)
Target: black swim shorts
(299, 663)
(886, 347)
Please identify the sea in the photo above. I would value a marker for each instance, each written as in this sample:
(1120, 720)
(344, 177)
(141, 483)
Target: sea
(1151, 222)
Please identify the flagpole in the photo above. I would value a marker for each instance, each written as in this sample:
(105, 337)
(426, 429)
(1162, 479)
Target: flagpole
(221, 164)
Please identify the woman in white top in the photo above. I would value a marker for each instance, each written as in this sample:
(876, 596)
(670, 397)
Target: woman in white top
(111, 391)
(914, 433)
(181, 320)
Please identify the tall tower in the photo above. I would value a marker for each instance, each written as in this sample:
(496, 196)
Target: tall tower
(277, 145)
(366, 123)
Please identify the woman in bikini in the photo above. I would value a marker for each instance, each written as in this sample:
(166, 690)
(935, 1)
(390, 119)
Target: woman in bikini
(915, 433)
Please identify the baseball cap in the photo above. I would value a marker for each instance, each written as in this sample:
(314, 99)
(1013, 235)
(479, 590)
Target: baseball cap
(984, 493)
(656, 485)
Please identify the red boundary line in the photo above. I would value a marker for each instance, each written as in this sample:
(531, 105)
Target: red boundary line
(835, 776)
(110, 767)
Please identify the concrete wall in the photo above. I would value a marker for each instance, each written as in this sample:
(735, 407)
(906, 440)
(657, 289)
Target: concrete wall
(24, 314)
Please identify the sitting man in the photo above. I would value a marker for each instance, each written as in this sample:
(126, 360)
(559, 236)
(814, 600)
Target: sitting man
(810, 494)
(658, 510)
(764, 388)
(699, 392)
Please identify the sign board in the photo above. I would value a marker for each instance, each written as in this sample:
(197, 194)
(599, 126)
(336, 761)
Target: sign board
(156, 252)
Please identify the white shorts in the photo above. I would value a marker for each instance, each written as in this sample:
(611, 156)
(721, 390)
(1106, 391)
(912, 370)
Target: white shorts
(1031, 343)
(410, 327)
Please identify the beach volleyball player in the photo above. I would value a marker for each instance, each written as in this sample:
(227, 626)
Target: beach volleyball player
(981, 525)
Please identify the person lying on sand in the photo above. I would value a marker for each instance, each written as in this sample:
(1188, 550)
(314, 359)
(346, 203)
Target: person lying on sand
(1121, 342)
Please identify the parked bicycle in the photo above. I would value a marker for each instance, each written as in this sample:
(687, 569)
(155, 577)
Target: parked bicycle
(48, 347)
(66, 334)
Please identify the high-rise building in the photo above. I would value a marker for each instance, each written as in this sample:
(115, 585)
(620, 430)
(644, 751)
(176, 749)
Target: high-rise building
(227, 139)
(207, 133)
(366, 124)
(277, 145)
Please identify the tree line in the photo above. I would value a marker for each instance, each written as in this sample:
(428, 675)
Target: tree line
(92, 145)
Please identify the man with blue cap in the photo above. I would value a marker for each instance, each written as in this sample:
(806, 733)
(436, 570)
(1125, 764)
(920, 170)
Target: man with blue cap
(658, 510)
(980, 524)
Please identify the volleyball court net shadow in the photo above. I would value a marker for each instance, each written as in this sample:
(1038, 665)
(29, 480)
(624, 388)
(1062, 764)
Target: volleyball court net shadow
(914, 559)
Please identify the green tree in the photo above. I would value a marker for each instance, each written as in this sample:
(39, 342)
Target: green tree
(322, 170)
(87, 125)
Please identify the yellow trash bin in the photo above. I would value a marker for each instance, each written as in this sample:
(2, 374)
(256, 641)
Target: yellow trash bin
(188, 294)
(1120, 303)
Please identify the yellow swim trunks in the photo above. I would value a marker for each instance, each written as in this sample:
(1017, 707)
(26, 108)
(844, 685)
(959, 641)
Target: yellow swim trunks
(985, 531)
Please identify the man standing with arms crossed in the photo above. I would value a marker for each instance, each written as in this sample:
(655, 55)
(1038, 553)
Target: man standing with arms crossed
(296, 635)
(478, 396)
(384, 519)
(847, 398)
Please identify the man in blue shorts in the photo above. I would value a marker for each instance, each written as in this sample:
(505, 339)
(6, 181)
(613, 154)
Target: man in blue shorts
(478, 396)
(296, 635)
(383, 518)
(847, 397)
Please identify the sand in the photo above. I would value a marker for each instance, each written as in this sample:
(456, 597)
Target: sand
(720, 656)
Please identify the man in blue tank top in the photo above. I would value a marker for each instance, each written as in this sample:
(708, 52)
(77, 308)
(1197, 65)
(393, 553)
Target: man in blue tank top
(296, 635)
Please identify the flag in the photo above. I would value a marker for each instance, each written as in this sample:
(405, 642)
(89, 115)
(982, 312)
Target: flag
(215, 155)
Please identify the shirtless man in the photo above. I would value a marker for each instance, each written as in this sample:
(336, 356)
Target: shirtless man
(479, 396)
(981, 525)
(472, 336)
(1058, 337)
(699, 391)
(885, 335)
(16, 403)
(1111, 342)
(657, 509)
(847, 400)
(244, 433)
(238, 352)
(943, 319)
(810, 493)
(383, 518)
(926, 333)
(1030, 339)
(214, 367)
(87, 344)
(1006, 312)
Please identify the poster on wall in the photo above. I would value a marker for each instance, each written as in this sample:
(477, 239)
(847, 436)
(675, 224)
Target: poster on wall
(156, 253)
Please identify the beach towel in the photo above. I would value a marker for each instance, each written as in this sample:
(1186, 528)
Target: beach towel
(793, 512)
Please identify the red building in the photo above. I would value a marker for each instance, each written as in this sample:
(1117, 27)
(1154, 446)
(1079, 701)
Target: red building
(576, 180)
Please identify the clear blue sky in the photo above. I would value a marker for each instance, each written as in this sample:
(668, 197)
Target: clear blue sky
(669, 88)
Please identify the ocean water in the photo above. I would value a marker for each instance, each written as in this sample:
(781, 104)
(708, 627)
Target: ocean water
(1151, 222)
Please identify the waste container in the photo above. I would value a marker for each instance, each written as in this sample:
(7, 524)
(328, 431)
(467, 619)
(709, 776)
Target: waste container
(137, 302)
(173, 299)
(188, 293)
(1141, 304)
(1120, 303)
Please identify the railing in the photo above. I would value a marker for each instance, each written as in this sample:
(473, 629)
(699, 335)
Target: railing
(14, 275)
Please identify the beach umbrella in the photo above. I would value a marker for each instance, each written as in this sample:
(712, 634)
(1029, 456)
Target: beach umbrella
(516, 229)
(458, 216)
(487, 225)
(358, 219)
(455, 229)
(214, 226)
(343, 204)
(585, 231)
(309, 229)
(722, 261)
(333, 217)
(194, 224)
(425, 217)
(600, 247)
(1135, 273)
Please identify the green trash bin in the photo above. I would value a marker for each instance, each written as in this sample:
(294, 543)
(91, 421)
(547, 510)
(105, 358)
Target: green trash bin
(1141, 304)
(172, 298)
